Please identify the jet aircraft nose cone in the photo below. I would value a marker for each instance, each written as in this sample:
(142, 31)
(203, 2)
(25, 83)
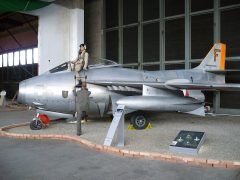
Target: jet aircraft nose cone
(21, 92)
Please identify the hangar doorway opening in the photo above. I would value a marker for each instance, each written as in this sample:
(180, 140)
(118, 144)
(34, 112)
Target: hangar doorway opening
(18, 50)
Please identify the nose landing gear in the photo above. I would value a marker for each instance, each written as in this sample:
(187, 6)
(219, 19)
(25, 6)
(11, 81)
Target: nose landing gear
(39, 122)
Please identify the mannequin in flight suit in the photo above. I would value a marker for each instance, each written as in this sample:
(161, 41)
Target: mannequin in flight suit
(81, 62)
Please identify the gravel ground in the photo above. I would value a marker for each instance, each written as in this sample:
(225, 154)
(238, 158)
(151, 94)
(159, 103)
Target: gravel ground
(13, 107)
(222, 133)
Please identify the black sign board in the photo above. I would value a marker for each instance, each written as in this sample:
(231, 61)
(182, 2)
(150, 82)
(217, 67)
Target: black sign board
(188, 142)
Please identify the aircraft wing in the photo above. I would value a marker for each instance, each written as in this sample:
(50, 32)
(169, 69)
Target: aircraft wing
(127, 84)
(213, 87)
(173, 85)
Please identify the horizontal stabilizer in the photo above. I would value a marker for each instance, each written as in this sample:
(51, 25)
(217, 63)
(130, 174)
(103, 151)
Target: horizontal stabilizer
(223, 71)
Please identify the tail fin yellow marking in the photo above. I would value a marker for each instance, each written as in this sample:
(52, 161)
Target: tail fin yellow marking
(223, 56)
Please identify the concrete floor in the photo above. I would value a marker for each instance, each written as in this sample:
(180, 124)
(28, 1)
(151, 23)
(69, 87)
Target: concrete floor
(41, 159)
(221, 142)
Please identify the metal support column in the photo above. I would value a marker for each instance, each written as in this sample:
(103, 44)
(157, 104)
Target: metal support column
(103, 34)
(120, 32)
(140, 39)
(216, 22)
(162, 35)
(216, 95)
(187, 34)
(216, 102)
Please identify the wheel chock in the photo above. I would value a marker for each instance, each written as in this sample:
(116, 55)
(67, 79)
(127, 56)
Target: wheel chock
(130, 127)
(149, 126)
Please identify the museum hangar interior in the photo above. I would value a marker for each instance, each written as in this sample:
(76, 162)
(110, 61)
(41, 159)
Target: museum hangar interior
(146, 35)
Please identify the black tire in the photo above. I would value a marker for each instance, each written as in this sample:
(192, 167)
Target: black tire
(139, 120)
(36, 124)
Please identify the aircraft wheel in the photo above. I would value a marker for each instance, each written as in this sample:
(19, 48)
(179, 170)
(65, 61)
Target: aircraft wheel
(36, 124)
(139, 121)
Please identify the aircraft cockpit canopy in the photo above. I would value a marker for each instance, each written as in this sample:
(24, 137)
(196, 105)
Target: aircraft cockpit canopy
(62, 67)
(102, 63)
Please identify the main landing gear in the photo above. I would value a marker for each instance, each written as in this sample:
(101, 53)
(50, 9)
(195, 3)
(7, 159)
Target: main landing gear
(139, 120)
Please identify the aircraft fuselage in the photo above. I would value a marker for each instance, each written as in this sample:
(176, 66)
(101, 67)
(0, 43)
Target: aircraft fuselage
(56, 91)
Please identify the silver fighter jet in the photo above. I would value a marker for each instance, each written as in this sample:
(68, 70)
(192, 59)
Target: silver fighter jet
(52, 93)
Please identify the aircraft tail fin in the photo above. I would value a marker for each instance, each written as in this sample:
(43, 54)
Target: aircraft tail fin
(215, 59)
